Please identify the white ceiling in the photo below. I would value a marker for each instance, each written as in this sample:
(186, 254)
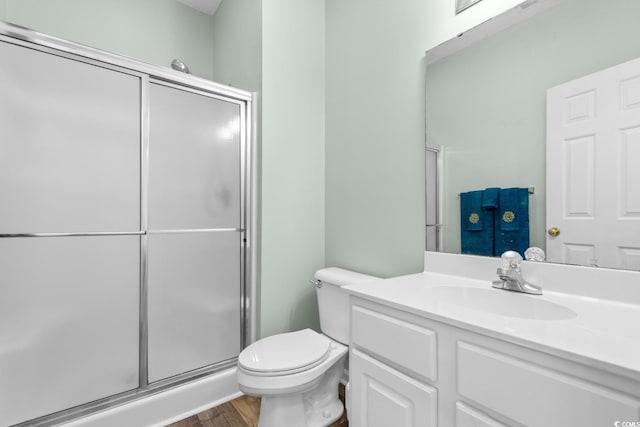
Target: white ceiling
(206, 6)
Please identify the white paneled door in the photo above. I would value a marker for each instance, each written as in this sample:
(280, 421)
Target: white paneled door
(593, 173)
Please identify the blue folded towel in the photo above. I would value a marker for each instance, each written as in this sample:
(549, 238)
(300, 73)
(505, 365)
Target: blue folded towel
(490, 198)
(510, 208)
(512, 221)
(471, 208)
(476, 225)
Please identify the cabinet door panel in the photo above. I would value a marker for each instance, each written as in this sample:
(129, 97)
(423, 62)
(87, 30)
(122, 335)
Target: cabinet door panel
(194, 301)
(468, 417)
(69, 145)
(382, 396)
(194, 161)
(69, 314)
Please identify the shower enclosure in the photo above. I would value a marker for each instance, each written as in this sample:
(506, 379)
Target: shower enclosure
(124, 228)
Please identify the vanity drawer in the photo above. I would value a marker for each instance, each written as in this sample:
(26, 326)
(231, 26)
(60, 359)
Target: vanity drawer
(535, 396)
(409, 346)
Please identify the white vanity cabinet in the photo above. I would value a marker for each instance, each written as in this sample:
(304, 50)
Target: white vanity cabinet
(389, 384)
(408, 369)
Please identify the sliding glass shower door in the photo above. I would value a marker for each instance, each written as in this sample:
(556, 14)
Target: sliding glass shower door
(123, 229)
(194, 241)
(69, 232)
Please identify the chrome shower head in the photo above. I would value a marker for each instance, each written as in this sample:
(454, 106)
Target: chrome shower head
(178, 65)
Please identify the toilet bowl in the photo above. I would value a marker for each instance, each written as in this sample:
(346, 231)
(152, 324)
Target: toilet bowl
(303, 392)
(297, 373)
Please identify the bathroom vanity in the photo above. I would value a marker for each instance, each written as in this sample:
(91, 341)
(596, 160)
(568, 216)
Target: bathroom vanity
(435, 349)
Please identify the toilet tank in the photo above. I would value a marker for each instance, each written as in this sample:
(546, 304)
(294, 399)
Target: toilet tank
(333, 301)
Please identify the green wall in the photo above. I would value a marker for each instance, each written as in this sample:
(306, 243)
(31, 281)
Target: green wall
(375, 116)
(153, 31)
(487, 103)
(236, 44)
(341, 140)
(293, 164)
(277, 47)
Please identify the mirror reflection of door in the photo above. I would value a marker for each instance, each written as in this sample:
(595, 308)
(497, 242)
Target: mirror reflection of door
(593, 178)
(433, 190)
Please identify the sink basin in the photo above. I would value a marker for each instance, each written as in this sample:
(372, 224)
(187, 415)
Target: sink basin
(499, 302)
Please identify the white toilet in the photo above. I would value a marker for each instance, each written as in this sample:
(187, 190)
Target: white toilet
(297, 374)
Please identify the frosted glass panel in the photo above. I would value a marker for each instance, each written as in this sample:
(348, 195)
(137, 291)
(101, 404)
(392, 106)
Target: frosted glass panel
(194, 161)
(194, 301)
(69, 312)
(69, 145)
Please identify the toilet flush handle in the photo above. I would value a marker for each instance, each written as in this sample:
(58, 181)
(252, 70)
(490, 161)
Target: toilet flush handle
(316, 283)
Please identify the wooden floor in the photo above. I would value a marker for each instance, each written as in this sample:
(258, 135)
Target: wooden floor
(240, 412)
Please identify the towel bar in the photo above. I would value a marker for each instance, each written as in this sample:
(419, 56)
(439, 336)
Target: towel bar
(532, 190)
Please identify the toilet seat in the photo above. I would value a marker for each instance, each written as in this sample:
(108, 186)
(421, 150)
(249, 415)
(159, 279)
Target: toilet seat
(285, 354)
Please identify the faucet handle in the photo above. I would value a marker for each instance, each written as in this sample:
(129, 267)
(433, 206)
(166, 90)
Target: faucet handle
(511, 259)
(534, 254)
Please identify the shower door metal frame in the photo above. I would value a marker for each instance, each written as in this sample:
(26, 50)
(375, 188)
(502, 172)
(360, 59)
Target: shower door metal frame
(434, 221)
(243, 229)
(147, 73)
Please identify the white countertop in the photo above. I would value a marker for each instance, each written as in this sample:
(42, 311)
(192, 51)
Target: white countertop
(601, 333)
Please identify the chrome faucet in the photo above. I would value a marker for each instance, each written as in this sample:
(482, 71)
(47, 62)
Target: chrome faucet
(511, 275)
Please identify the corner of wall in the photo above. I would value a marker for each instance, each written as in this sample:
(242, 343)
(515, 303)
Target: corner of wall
(292, 168)
(236, 44)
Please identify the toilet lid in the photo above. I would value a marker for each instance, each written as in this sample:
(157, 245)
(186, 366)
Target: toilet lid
(285, 353)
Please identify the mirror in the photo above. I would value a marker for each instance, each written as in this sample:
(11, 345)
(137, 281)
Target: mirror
(486, 103)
